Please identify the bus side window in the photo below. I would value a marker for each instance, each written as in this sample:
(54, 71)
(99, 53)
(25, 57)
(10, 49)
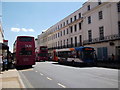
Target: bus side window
(69, 54)
(72, 54)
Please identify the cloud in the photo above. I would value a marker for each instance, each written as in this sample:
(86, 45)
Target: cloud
(31, 30)
(15, 29)
(22, 29)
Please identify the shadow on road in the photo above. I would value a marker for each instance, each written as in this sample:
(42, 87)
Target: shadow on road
(75, 65)
(99, 64)
(23, 67)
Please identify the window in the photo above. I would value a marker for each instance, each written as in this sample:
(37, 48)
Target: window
(58, 27)
(89, 19)
(118, 5)
(64, 42)
(119, 28)
(89, 35)
(67, 31)
(61, 25)
(79, 26)
(79, 15)
(75, 27)
(67, 42)
(67, 21)
(25, 52)
(61, 33)
(102, 53)
(100, 14)
(71, 29)
(80, 38)
(64, 23)
(58, 43)
(58, 34)
(43, 48)
(75, 41)
(25, 39)
(61, 42)
(71, 41)
(88, 7)
(75, 18)
(101, 32)
(64, 32)
(71, 20)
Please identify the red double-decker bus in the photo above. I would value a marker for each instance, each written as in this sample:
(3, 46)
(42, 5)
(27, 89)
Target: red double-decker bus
(24, 51)
(42, 54)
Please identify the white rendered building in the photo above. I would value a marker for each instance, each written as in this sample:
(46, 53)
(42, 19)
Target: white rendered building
(95, 24)
(1, 38)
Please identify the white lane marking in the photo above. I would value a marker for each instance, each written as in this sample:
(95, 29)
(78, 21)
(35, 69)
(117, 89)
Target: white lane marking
(27, 84)
(49, 78)
(61, 85)
(36, 71)
(41, 74)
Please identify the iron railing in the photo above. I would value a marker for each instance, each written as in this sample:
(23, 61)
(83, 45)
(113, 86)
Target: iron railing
(102, 39)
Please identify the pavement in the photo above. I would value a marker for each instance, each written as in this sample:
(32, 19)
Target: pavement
(10, 79)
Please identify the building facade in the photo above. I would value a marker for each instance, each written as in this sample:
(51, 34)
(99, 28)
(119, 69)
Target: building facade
(95, 24)
(4, 49)
(1, 38)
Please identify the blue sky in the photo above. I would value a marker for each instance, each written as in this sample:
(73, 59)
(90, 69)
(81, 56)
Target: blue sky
(31, 18)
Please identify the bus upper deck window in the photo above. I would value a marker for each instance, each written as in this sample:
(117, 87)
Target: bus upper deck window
(25, 39)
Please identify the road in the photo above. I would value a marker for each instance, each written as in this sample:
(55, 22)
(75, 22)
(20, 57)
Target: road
(53, 75)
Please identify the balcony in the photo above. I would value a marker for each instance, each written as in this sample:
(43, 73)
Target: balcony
(102, 39)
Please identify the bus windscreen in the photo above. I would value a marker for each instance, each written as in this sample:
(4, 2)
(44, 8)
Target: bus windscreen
(43, 48)
(88, 54)
(42, 54)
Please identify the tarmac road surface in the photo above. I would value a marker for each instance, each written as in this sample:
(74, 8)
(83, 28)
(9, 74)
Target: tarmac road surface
(53, 75)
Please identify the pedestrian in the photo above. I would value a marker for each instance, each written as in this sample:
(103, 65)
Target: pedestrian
(51, 58)
(1, 56)
(113, 57)
(9, 61)
(5, 64)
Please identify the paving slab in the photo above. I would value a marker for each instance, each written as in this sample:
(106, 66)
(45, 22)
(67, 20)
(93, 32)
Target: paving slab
(10, 79)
